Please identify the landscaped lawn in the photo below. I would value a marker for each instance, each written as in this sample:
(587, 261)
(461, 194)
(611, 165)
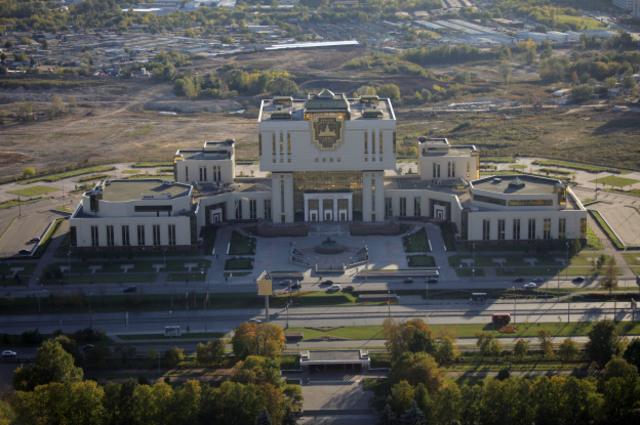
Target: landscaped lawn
(575, 166)
(616, 181)
(592, 240)
(605, 227)
(186, 277)
(416, 241)
(30, 192)
(241, 244)
(421, 261)
(184, 335)
(68, 174)
(15, 202)
(238, 264)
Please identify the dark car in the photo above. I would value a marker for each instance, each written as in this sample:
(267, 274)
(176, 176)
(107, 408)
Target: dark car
(25, 252)
(432, 280)
(578, 279)
(326, 282)
(296, 285)
(130, 289)
(408, 280)
(518, 280)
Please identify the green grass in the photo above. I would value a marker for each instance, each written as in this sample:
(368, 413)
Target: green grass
(33, 191)
(421, 261)
(468, 272)
(518, 167)
(92, 178)
(466, 330)
(497, 159)
(607, 230)
(575, 166)
(152, 164)
(68, 174)
(593, 242)
(184, 335)
(114, 278)
(417, 241)
(15, 202)
(314, 298)
(241, 244)
(186, 277)
(555, 171)
(238, 264)
(616, 181)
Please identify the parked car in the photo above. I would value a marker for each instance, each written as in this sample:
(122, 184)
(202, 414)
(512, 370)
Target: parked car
(130, 289)
(34, 240)
(296, 285)
(530, 285)
(334, 288)
(432, 280)
(408, 280)
(255, 320)
(539, 280)
(9, 354)
(518, 280)
(578, 279)
(326, 282)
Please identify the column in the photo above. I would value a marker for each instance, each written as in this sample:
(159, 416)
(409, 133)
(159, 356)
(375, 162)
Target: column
(366, 196)
(379, 194)
(335, 208)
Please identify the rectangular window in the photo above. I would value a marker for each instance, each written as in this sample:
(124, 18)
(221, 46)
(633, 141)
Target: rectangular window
(373, 142)
(238, 209)
(95, 236)
(453, 170)
(366, 142)
(546, 229)
(110, 239)
(267, 209)
(125, 235)
(403, 207)
(281, 147)
(516, 229)
(260, 144)
(282, 196)
(273, 146)
(436, 171)
(501, 232)
(141, 238)
(532, 229)
(562, 228)
(583, 228)
(381, 150)
(486, 230)
(186, 173)
(417, 210)
(393, 140)
(388, 208)
(172, 235)
(449, 169)
(203, 174)
(156, 235)
(288, 147)
(253, 209)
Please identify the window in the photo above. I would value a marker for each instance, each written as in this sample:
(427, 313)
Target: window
(373, 197)
(288, 147)
(281, 145)
(203, 174)
(186, 173)
(267, 209)
(282, 196)
(273, 146)
(253, 209)
(381, 150)
(486, 230)
(172, 235)
(546, 229)
(489, 199)
(393, 140)
(416, 207)
(373, 143)
(530, 203)
(219, 173)
(156, 235)
(260, 144)
(453, 169)
(532, 228)
(516, 229)
(436, 171)
(562, 228)
(141, 239)
(110, 238)
(450, 172)
(403, 207)
(238, 209)
(501, 232)
(366, 143)
(95, 236)
(388, 208)
(125, 235)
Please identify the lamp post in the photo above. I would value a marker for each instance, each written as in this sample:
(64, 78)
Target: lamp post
(515, 304)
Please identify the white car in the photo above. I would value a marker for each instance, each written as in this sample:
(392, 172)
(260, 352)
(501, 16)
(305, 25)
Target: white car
(334, 288)
(9, 354)
(530, 285)
(255, 320)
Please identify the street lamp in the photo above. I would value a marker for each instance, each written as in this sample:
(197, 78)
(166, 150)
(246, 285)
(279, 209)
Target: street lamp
(515, 304)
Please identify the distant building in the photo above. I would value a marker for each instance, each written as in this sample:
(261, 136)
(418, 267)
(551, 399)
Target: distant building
(636, 9)
(624, 4)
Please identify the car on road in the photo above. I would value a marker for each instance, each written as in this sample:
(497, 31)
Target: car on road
(518, 280)
(334, 288)
(578, 279)
(432, 280)
(539, 280)
(407, 280)
(326, 282)
(255, 320)
(296, 285)
(9, 354)
(24, 252)
(530, 285)
(130, 289)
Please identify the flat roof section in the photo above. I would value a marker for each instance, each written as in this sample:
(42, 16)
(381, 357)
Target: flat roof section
(517, 185)
(328, 357)
(132, 190)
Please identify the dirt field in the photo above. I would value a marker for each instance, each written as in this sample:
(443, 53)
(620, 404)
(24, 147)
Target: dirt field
(125, 120)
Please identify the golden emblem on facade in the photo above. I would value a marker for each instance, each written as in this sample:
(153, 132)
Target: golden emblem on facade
(327, 130)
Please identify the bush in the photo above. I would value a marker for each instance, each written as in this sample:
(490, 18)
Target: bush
(173, 357)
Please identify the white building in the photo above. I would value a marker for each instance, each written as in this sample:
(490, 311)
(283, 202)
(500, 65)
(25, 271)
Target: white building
(328, 158)
(146, 214)
(635, 11)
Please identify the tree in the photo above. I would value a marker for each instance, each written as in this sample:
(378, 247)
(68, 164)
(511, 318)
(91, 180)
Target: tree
(568, 350)
(488, 345)
(264, 418)
(446, 351)
(6, 413)
(413, 416)
(582, 93)
(28, 172)
(173, 356)
(57, 106)
(210, 353)
(390, 90)
(401, 397)
(417, 368)
(264, 339)
(618, 367)
(610, 279)
(520, 349)
(52, 364)
(632, 353)
(545, 345)
(257, 370)
(413, 335)
(603, 342)
(282, 86)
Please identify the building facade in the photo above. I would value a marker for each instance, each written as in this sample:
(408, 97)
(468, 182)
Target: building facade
(327, 158)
